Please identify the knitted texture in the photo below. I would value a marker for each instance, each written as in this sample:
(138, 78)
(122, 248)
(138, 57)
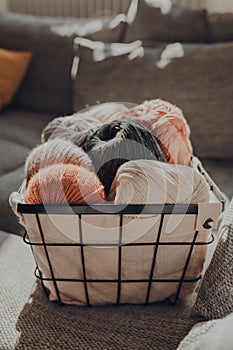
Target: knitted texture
(214, 335)
(215, 297)
(17, 281)
(49, 326)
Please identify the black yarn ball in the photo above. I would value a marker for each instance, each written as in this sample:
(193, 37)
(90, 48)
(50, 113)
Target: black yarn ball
(117, 142)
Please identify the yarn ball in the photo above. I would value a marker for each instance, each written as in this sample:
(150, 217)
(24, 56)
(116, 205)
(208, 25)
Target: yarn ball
(54, 152)
(106, 112)
(118, 142)
(169, 127)
(64, 183)
(75, 128)
(150, 182)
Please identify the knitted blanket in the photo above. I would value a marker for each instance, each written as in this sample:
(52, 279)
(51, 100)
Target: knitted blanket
(45, 325)
(37, 324)
(48, 325)
(17, 280)
(215, 298)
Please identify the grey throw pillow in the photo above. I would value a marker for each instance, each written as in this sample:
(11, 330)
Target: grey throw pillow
(215, 297)
(221, 26)
(179, 24)
(48, 86)
(198, 82)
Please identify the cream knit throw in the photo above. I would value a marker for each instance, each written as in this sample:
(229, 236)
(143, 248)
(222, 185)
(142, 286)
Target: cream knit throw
(215, 298)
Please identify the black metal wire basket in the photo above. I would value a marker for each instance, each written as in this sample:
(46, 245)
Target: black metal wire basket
(87, 284)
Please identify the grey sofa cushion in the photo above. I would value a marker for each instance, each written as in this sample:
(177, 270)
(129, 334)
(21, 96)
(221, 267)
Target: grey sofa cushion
(23, 126)
(47, 85)
(221, 26)
(215, 297)
(19, 132)
(222, 173)
(12, 155)
(10, 182)
(179, 24)
(106, 29)
(199, 83)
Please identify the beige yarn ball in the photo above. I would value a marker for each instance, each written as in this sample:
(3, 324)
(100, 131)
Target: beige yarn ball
(151, 182)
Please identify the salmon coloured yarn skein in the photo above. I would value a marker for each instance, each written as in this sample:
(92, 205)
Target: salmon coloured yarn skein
(55, 152)
(168, 125)
(64, 183)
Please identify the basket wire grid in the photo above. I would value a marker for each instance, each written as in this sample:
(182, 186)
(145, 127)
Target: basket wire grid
(108, 210)
(120, 210)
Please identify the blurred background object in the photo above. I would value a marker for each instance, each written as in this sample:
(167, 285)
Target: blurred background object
(94, 8)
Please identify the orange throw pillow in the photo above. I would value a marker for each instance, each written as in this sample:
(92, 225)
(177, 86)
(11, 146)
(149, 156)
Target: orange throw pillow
(13, 66)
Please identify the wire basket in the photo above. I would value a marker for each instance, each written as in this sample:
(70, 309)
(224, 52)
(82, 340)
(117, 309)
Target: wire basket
(78, 264)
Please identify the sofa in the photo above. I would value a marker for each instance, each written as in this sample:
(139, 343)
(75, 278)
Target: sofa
(45, 93)
(199, 83)
(64, 76)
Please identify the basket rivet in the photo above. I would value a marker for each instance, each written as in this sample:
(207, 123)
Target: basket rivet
(207, 223)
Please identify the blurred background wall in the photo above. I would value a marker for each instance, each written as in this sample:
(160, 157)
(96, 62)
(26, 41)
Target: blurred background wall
(81, 8)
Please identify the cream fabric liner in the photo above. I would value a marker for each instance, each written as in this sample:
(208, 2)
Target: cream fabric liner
(102, 263)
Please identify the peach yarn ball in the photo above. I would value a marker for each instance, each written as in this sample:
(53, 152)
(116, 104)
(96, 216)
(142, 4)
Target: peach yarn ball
(168, 125)
(55, 152)
(64, 183)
